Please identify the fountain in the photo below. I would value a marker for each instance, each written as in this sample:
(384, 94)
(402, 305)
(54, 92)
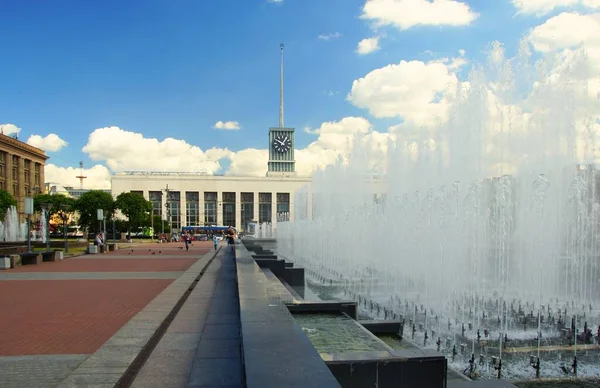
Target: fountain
(10, 229)
(482, 234)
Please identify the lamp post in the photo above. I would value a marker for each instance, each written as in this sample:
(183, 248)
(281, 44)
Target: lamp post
(46, 213)
(65, 217)
(28, 212)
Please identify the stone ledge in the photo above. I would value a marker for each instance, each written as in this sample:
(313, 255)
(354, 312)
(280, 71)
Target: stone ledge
(108, 364)
(275, 350)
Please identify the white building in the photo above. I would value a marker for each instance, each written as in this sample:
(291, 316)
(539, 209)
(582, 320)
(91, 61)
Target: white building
(191, 199)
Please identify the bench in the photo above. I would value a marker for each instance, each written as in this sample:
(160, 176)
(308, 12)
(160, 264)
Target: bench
(30, 258)
(52, 255)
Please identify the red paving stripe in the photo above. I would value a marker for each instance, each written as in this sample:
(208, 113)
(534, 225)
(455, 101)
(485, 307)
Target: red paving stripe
(68, 316)
(110, 265)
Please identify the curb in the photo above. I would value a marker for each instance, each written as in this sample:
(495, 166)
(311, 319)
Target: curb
(118, 361)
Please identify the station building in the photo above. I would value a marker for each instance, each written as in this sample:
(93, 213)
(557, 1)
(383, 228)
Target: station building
(197, 199)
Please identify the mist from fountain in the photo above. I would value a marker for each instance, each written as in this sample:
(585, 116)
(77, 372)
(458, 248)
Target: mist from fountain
(43, 232)
(10, 228)
(487, 222)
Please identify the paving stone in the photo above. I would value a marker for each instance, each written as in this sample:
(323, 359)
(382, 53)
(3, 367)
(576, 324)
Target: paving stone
(216, 371)
(179, 341)
(220, 319)
(219, 348)
(221, 331)
(41, 371)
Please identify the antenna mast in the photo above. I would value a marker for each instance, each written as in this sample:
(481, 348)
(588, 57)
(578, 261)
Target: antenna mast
(281, 89)
(80, 176)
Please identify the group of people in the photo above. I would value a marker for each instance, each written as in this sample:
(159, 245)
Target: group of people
(229, 236)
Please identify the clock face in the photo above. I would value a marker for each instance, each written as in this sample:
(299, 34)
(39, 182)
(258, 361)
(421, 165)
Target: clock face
(282, 143)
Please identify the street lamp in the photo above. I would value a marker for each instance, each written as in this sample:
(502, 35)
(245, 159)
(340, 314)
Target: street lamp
(46, 209)
(28, 212)
(65, 217)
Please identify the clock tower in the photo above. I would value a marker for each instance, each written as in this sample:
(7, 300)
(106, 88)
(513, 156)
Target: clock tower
(281, 141)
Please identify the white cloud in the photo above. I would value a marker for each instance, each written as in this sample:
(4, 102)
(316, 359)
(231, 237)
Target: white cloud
(542, 7)
(113, 145)
(97, 177)
(9, 129)
(51, 143)
(415, 91)
(368, 45)
(405, 14)
(331, 36)
(227, 125)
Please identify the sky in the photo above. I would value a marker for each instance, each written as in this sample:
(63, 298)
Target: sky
(154, 85)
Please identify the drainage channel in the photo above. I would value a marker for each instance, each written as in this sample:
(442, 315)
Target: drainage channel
(131, 373)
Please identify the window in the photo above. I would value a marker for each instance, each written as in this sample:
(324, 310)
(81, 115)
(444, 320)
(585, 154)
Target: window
(37, 179)
(15, 174)
(27, 164)
(15, 189)
(264, 207)
(210, 208)
(192, 208)
(2, 185)
(283, 206)
(174, 209)
(247, 209)
(2, 171)
(37, 168)
(156, 198)
(229, 209)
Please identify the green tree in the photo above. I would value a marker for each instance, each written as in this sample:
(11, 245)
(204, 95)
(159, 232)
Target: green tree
(88, 204)
(55, 204)
(134, 207)
(6, 201)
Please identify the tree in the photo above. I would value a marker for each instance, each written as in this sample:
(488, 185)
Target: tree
(6, 201)
(134, 207)
(87, 206)
(56, 203)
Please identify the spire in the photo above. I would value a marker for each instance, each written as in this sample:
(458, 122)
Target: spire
(281, 89)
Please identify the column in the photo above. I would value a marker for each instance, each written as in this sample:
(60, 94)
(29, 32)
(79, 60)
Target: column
(200, 208)
(42, 176)
(238, 210)
(274, 210)
(183, 207)
(255, 206)
(220, 208)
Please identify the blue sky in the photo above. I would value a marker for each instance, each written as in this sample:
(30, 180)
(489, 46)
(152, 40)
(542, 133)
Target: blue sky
(173, 69)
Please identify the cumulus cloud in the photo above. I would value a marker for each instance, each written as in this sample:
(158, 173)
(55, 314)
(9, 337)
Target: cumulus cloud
(113, 146)
(50, 143)
(9, 129)
(227, 125)
(97, 177)
(543, 7)
(410, 90)
(331, 36)
(368, 45)
(405, 14)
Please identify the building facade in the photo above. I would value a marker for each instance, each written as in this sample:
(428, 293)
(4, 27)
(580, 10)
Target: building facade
(21, 170)
(190, 199)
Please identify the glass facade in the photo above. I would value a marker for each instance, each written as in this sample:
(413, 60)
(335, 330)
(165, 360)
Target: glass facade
(192, 208)
(264, 207)
(229, 209)
(210, 208)
(156, 198)
(283, 206)
(247, 210)
(174, 209)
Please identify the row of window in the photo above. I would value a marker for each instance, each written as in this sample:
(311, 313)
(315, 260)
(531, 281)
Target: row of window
(15, 173)
(209, 216)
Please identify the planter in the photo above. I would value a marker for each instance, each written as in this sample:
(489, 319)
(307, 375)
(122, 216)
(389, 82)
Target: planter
(4, 262)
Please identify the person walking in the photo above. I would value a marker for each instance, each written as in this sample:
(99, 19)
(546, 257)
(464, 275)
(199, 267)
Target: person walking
(215, 240)
(230, 238)
(186, 240)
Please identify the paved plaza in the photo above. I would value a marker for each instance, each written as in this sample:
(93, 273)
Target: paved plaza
(55, 315)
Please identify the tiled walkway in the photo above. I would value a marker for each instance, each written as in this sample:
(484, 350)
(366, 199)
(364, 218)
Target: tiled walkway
(53, 315)
(202, 346)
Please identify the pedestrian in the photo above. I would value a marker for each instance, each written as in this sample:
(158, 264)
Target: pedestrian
(230, 238)
(215, 240)
(186, 240)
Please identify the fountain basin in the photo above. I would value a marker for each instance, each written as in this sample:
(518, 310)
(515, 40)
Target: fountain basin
(356, 357)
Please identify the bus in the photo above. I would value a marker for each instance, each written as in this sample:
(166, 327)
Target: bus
(201, 233)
